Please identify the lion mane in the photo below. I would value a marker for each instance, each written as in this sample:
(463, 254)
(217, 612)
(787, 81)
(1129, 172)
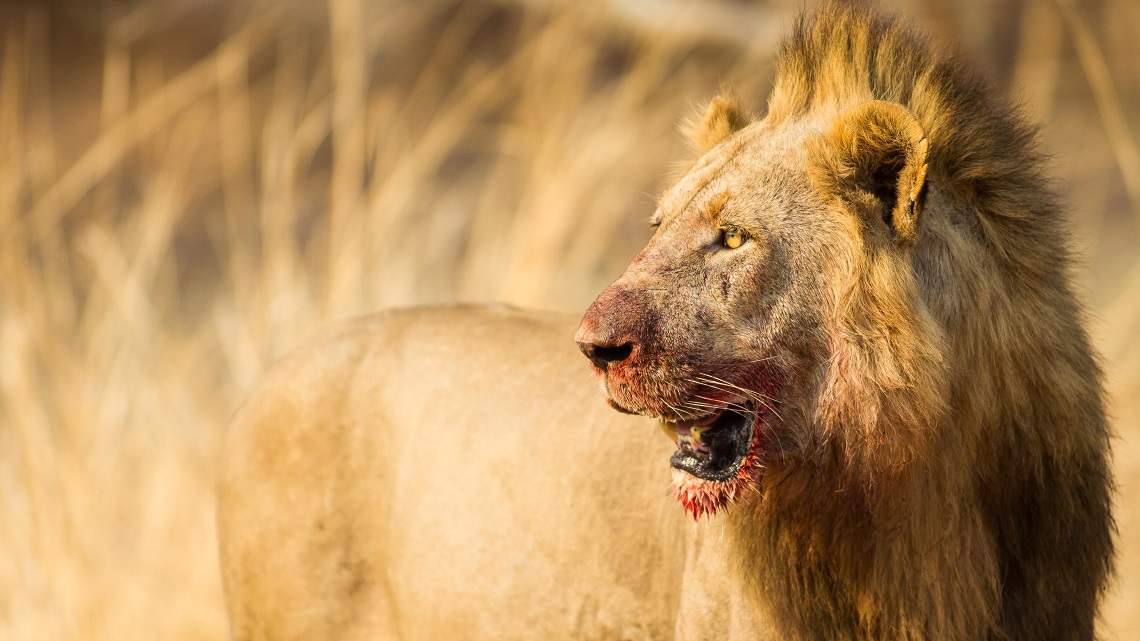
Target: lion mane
(962, 390)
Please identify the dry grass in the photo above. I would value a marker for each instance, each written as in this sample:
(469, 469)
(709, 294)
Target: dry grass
(188, 188)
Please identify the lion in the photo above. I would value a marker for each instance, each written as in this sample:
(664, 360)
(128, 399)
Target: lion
(855, 323)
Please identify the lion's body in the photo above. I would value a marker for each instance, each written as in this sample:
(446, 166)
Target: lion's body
(355, 508)
(893, 321)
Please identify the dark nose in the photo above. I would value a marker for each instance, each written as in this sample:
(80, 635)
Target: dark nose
(602, 355)
(606, 335)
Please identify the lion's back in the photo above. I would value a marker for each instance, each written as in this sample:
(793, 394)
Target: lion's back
(369, 482)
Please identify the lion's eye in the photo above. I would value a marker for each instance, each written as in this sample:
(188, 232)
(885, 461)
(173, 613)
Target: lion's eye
(733, 238)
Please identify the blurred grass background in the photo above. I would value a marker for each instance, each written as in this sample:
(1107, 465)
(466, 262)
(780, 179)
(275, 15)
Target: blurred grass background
(189, 187)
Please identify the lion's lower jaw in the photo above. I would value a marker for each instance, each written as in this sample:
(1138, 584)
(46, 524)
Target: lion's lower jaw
(703, 498)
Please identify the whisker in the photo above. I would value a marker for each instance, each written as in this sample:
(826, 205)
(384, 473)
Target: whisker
(709, 408)
(732, 385)
(681, 413)
(759, 360)
(776, 433)
(724, 405)
(761, 399)
(722, 383)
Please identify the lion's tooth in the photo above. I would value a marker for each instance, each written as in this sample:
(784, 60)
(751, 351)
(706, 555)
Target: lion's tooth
(670, 429)
(695, 432)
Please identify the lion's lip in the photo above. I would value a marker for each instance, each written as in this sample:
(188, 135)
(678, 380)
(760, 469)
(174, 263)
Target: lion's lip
(713, 447)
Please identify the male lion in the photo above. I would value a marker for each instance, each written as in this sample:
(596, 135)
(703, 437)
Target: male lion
(856, 322)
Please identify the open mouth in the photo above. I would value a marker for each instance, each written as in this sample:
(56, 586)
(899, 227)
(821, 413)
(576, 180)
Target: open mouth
(714, 447)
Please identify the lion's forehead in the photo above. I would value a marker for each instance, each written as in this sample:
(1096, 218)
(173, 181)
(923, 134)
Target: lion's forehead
(758, 165)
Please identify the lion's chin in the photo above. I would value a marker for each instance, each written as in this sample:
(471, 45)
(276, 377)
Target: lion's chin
(717, 460)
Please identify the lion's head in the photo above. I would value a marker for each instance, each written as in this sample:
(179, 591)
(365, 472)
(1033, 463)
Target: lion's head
(774, 315)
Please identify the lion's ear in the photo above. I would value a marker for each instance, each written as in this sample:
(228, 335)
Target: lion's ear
(875, 156)
(720, 119)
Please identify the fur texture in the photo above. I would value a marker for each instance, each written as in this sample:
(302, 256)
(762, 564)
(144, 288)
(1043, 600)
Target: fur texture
(1017, 468)
(715, 122)
(939, 467)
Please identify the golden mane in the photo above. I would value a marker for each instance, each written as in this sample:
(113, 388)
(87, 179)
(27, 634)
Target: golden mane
(962, 392)
(981, 150)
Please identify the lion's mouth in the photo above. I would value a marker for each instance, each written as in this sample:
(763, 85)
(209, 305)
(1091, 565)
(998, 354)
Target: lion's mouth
(713, 447)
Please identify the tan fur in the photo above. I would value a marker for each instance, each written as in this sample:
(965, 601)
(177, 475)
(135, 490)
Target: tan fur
(935, 456)
(722, 116)
(715, 206)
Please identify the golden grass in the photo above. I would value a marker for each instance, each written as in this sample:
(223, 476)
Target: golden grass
(175, 214)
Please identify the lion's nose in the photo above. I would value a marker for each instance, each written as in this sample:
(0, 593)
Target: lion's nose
(608, 334)
(603, 355)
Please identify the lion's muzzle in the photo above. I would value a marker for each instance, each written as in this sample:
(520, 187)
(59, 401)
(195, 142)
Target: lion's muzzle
(616, 329)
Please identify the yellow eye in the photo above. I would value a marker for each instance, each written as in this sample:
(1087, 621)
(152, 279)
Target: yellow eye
(733, 238)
